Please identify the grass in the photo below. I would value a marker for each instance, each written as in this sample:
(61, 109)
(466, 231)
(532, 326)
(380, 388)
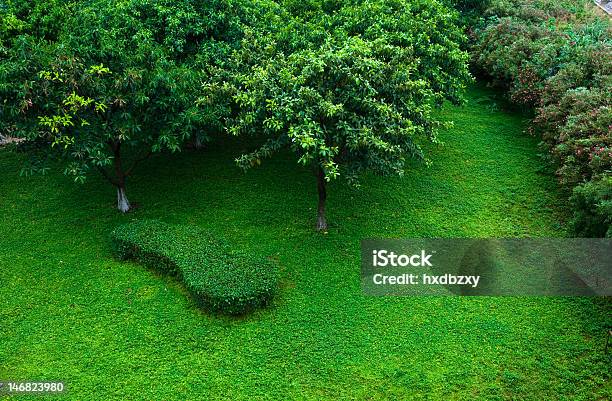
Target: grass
(115, 330)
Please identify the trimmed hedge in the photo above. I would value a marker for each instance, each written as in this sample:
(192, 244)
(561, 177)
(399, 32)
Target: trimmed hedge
(219, 278)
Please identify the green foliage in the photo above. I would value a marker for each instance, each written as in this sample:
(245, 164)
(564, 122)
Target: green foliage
(219, 278)
(592, 203)
(558, 60)
(43, 19)
(522, 54)
(539, 10)
(470, 6)
(347, 86)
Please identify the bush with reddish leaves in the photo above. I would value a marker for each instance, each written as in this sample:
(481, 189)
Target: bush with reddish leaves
(576, 130)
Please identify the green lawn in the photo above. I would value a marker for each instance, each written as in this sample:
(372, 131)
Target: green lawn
(114, 330)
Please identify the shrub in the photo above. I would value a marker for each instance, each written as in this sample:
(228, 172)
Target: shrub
(575, 129)
(471, 5)
(518, 56)
(219, 278)
(592, 203)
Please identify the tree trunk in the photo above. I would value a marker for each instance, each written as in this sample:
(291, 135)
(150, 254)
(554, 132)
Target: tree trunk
(123, 204)
(321, 221)
(197, 142)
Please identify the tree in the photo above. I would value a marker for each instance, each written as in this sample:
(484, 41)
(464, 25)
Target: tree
(348, 86)
(117, 84)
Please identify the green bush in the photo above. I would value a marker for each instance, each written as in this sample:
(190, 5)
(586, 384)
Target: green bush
(219, 278)
(592, 203)
(575, 129)
(468, 5)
